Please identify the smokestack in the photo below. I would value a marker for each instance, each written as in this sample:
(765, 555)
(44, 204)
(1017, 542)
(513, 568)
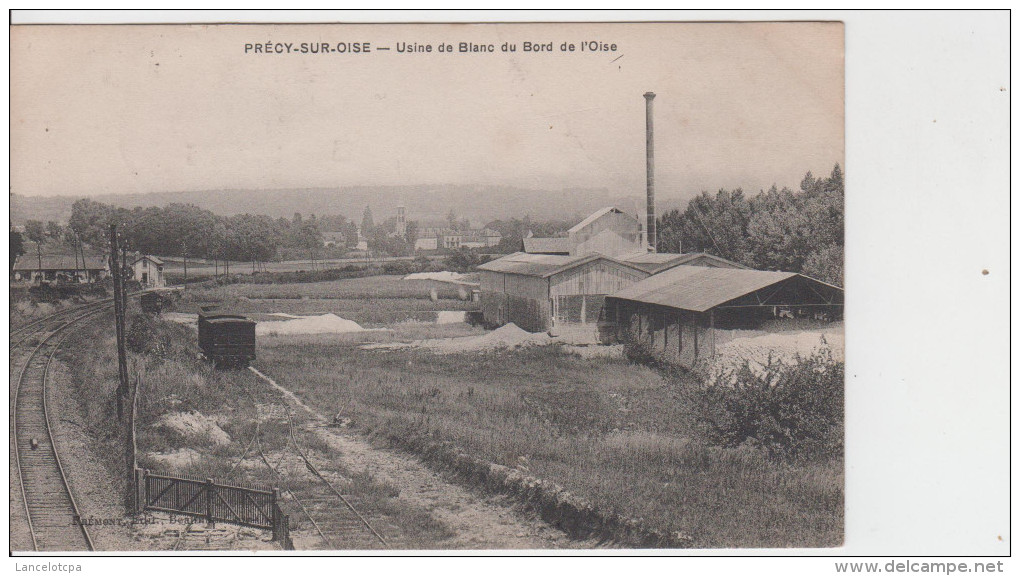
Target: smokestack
(650, 170)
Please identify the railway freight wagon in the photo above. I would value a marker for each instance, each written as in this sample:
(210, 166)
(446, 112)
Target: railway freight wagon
(227, 339)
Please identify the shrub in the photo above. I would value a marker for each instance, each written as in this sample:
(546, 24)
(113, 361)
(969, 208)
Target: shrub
(464, 260)
(637, 351)
(792, 411)
(400, 267)
(52, 293)
(146, 336)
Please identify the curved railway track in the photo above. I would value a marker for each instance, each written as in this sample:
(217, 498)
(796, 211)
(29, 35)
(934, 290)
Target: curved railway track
(49, 506)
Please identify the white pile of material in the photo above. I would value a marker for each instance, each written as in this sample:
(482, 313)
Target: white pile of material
(450, 316)
(444, 276)
(283, 315)
(324, 324)
(508, 337)
(782, 347)
(195, 425)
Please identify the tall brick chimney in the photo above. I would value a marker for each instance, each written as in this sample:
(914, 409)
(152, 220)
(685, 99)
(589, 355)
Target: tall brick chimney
(650, 170)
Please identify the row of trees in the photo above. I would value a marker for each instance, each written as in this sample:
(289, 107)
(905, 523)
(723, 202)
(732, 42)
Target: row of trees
(796, 231)
(778, 229)
(184, 230)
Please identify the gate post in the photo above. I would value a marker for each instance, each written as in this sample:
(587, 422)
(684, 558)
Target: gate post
(138, 503)
(210, 489)
(274, 508)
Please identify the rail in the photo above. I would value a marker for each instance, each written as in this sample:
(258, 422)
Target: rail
(51, 513)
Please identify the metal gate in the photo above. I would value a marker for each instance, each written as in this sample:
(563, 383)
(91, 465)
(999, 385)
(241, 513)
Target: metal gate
(253, 506)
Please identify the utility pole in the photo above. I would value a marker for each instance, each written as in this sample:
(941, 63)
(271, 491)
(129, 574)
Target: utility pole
(75, 248)
(119, 311)
(130, 448)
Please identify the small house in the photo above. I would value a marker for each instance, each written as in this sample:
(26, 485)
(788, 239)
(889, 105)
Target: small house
(148, 271)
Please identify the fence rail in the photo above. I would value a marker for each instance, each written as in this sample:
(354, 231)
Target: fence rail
(254, 506)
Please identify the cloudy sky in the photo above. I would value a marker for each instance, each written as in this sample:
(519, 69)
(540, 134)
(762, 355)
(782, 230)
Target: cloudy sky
(160, 108)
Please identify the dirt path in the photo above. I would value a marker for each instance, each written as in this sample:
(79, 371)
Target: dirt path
(477, 521)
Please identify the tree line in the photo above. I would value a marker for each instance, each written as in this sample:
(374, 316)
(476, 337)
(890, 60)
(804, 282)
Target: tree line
(187, 231)
(778, 229)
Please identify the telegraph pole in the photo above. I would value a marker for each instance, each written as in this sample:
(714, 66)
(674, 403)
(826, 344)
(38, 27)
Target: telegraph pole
(119, 311)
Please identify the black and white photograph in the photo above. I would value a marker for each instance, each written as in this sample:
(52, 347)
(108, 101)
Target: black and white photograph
(382, 288)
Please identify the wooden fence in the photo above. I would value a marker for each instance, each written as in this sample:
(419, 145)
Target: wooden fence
(253, 506)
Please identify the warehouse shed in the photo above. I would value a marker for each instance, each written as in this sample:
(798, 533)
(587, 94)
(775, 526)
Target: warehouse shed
(536, 291)
(685, 312)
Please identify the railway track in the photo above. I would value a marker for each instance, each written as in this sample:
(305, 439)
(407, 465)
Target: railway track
(21, 334)
(331, 515)
(49, 506)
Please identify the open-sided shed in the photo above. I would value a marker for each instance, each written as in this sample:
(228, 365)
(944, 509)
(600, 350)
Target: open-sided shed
(681, 313)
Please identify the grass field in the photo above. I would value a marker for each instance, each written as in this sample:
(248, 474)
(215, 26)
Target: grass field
(176, 382)
(371, 301)
(608, 431)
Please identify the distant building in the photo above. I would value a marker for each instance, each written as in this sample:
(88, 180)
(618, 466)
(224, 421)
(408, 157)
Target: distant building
(148, 271)
(401, 221)
(333, 239)
(59, 267)
(449, 239)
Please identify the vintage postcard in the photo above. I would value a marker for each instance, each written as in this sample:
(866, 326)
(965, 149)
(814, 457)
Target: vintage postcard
(386, 287)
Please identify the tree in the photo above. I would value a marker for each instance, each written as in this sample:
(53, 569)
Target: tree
(54, 230)
(90, 220)
(35, 231)
(778, 229)
(17, 245)
(451, 220)
(366, 222)
(411, 233)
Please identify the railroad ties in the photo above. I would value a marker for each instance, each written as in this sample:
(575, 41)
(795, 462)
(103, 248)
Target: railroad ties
(50, 515)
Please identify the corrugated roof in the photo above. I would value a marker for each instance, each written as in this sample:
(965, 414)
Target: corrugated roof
(544, 265)
(699, 288)
(547, 245)
(30, 261)
(656, 261)
(595, 216)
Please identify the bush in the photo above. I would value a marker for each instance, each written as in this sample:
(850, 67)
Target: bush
(637, 351)
(464, 260)
(792, 411)
(401, 268)
(52, 293)
(145, 336)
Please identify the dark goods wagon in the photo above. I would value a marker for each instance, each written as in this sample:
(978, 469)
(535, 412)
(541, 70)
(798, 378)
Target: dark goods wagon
(227, 339)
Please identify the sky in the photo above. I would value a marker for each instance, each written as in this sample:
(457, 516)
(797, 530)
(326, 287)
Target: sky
(138, 109)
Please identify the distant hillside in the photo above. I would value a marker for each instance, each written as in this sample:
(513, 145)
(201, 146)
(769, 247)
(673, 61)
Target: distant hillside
(478, 203)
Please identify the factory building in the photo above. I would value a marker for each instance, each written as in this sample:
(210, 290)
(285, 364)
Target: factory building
(683, 314)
